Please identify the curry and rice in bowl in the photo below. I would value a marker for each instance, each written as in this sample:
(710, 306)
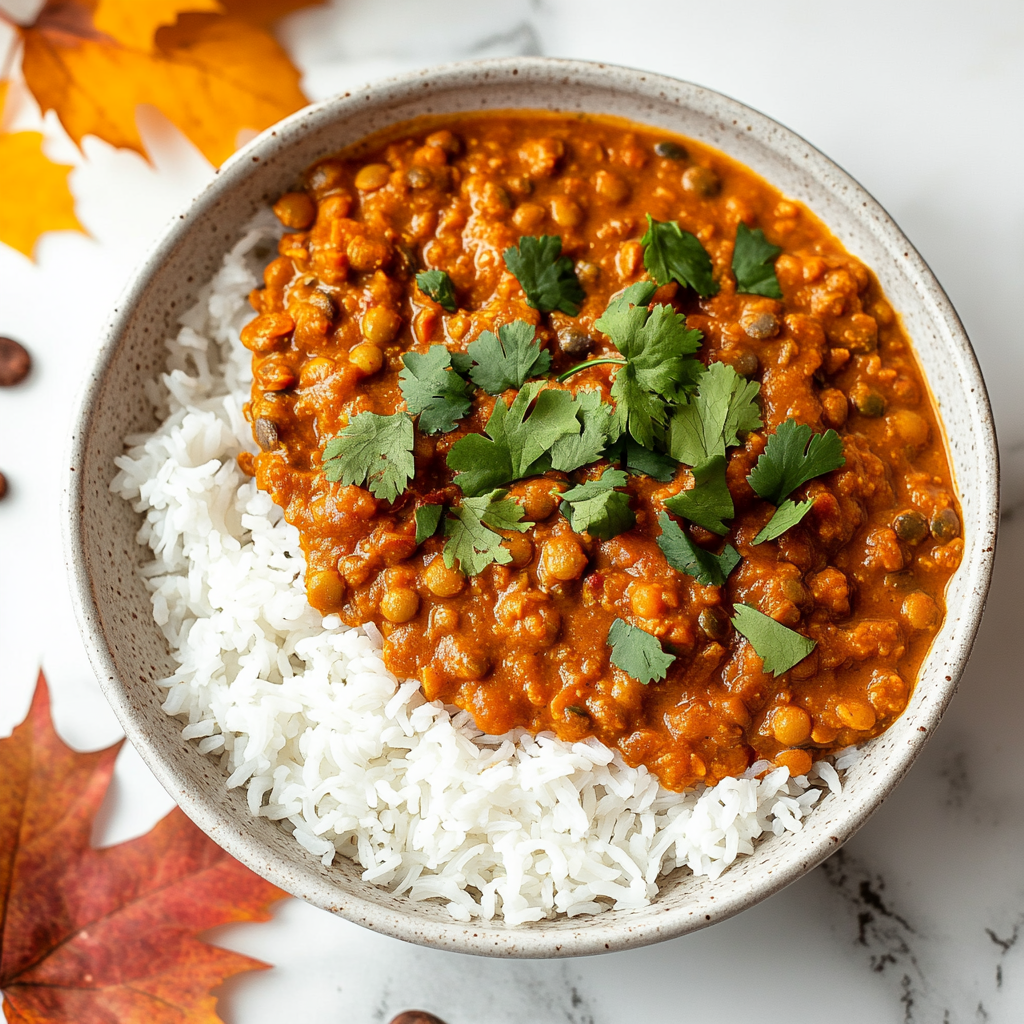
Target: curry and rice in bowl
(549, 544)
(540, 504)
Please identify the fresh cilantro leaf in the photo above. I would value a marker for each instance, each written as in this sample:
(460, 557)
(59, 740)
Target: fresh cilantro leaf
(709, 502)
(638, 459)
(753, 263)
(788, 514)
(637, 653)
(507, 359)
(428, 518)
(516, 445)
(595, 507)
(471, 541)
(681, 553)
(433, 390)
(372, 450)
(778, 647)
(671, 254)
(722, 408)
(547, 277)
(794, 455)
(659, 367)
(438, 285)
(572, 451)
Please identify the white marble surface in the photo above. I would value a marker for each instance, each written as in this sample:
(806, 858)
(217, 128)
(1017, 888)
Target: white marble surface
(917, 919)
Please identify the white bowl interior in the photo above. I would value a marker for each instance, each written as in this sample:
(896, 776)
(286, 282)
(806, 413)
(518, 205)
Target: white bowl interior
(129, 652)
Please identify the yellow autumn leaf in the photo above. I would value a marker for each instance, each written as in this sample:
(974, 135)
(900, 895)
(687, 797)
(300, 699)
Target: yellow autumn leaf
(34, 193)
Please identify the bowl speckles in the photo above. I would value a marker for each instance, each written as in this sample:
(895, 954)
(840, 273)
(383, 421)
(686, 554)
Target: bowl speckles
(129, 653)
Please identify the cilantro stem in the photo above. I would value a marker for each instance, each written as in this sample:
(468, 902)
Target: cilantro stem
(585, 366)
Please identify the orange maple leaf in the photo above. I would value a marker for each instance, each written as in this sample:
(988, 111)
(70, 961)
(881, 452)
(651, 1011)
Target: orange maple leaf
(212, 75)
(34, 193)
(93, 936)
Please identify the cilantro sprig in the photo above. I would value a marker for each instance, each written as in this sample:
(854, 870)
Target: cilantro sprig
(638, 653)
(671, 254)
(507, 359)
(595, 507)
(543, 428)
(438, 286)
(682, 554)
(723, 407)
(433, 390)
(657, 367)
(708, 503)
(470, 531)
(794, 454)
(778, 646)
(753, 263)
(547, 277)
(373, 450)
(786, 516)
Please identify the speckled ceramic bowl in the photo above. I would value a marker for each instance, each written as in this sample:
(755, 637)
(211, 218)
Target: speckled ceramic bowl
(128, 650)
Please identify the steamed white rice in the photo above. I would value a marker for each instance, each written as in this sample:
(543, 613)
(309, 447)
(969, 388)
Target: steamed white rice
(301, 711)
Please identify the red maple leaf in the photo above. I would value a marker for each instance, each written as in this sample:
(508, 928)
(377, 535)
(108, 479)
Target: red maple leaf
(106, 936)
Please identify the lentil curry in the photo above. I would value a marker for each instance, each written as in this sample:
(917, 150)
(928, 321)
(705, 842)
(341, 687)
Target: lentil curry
(453, 267)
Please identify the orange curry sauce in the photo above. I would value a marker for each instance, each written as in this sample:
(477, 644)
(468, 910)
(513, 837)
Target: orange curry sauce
(525, 644)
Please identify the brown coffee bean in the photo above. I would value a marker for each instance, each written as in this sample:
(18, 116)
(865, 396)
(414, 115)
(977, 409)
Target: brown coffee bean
(416, 1017)
(3, 487)
(15, 362)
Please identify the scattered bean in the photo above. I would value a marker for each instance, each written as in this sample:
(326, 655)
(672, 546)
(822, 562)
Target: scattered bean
(3, 487)
(15, 362)
(417, 1016)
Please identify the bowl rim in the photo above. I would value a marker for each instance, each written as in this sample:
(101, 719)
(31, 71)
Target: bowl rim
(601, 933)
